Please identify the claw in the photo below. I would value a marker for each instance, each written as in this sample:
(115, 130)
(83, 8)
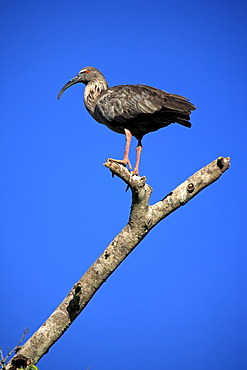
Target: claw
(135, 172)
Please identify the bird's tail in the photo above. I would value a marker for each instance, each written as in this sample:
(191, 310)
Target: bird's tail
(185, 122)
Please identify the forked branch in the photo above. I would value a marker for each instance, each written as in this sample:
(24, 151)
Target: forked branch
(143, 217)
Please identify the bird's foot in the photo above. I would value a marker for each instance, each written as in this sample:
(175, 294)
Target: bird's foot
(124, 162)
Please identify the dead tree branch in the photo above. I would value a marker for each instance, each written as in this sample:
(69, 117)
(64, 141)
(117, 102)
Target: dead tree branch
(143, 217)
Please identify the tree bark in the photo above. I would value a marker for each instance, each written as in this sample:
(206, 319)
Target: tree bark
(143, 217)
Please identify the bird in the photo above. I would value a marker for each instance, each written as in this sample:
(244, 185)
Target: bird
(132, 110)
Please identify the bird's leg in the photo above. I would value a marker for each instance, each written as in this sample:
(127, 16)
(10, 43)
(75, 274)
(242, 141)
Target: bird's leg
(138, 156)
(125, 161)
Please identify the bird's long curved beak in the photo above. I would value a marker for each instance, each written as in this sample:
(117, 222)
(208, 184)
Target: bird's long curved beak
(74, 81)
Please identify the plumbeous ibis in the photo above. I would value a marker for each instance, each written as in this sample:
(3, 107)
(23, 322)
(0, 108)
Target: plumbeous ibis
(133, 110)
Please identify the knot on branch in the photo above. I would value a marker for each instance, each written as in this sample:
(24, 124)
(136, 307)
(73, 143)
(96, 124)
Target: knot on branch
(20, 361)
(190, 187)
(74, 304)
(223, 163)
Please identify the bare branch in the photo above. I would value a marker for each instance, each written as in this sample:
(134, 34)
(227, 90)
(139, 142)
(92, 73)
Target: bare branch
(15, 349)
(143, 218)
(190, 188)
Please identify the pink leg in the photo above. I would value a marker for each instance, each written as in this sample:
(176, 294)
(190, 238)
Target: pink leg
(125, 161)
(138, 156)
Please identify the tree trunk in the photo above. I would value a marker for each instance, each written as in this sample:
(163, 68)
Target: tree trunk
(143, 217)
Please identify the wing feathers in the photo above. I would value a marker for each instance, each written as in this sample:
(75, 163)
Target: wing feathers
(127, 103)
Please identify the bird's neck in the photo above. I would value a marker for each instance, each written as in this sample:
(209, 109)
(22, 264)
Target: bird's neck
(92, 92)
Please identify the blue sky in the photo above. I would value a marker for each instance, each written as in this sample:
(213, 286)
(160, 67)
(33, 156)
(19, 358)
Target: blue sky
(179, 300)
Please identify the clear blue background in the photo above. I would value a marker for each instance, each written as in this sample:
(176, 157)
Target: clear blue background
(179, 300)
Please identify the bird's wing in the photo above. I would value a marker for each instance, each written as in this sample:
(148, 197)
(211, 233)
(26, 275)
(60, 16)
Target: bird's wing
(125, 102)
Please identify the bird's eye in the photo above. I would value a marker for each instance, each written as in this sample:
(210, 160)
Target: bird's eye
(85, 70)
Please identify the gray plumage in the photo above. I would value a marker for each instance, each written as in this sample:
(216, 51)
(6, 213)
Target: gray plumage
(138, 109)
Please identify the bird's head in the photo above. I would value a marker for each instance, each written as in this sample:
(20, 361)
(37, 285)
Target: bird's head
(86, 75)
